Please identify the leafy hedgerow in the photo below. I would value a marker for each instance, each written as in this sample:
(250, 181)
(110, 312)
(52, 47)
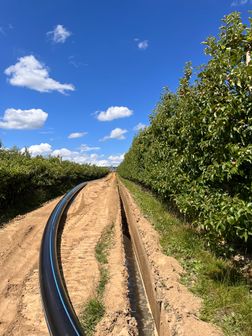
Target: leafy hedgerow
(197, 152)
(29, 181)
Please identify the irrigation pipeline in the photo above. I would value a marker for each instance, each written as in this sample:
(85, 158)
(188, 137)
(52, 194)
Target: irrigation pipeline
(59, 313)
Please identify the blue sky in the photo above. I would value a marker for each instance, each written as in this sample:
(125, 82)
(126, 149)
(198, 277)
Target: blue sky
(78, 78)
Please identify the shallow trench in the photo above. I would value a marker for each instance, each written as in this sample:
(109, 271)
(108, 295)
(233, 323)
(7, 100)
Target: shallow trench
(139, 304)
(140, 308)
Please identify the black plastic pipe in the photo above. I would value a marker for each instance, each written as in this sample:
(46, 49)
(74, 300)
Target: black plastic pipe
(60, 316)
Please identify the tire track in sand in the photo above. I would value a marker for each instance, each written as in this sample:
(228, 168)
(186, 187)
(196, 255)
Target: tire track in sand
(20, 305)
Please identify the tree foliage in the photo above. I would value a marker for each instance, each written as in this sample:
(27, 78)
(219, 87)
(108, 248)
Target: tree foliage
(26, 179)
(197, 151)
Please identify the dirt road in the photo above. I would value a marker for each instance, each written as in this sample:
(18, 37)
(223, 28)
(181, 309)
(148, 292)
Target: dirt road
(94, 209)
(20, 307)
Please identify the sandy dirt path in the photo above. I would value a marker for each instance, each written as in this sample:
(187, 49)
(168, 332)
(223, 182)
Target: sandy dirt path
(20, 306)
(94, 208)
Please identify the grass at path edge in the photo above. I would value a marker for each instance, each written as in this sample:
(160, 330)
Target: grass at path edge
(227, 301)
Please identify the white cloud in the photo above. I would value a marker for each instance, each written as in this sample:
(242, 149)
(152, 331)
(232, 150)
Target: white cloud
(61, 152)
(23, 119)
(86, 148)
(102, 163)
(143, 44)
(240, 2)
(114, 112)
(116, 133)
(59, 34)
(76, 135)
(29, 72)
(139, 126)
(42, 149)
(115, 160)
(46, 149)
(80, 157)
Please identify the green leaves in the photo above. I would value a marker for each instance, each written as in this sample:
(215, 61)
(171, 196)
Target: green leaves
(23, 177)
(198, 149)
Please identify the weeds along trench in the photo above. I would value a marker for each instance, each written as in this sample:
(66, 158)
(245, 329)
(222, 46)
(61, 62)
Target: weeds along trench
(139, 303)
(94, 309)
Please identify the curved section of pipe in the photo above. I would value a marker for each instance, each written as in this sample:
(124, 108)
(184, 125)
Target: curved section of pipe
(59, 313)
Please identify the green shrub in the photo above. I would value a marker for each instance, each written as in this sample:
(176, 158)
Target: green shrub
(30, 181)
(197, 152)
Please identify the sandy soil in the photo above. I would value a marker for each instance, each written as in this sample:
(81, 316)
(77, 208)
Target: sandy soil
(180, 307)
(92, 211)
(94, 208)
(20, 306)
(117, 320)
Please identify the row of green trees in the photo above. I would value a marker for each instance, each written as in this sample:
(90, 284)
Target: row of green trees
(197, 152)
(27, 181)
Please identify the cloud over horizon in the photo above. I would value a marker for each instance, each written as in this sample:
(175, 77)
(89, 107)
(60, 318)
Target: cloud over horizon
(30, 73)
(41, 149)
(116, 159)
(45, 149)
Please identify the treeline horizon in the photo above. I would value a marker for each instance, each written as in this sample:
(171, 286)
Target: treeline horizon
(27, 182)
